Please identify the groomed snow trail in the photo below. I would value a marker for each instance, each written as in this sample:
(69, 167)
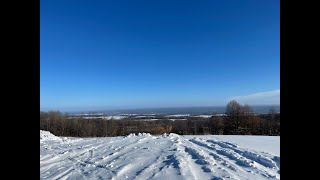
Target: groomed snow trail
(143, 156)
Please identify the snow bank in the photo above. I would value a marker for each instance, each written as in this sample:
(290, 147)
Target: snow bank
(144, 134)
(131, 135)
(46, 135)
(170, 135)
(139, 134)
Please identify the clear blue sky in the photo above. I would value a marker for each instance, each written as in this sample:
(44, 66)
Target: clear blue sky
(129, 54)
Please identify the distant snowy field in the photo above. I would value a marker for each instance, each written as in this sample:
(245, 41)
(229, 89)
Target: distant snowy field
(167, 156)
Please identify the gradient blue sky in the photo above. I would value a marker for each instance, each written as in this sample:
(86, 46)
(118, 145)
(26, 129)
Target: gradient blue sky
(132, 54)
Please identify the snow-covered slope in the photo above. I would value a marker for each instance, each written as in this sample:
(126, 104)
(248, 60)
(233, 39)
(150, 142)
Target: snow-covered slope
(144, 156)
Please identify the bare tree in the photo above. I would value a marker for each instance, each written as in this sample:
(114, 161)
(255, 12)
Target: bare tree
(247, 121)
(233, 120)
(216, 124)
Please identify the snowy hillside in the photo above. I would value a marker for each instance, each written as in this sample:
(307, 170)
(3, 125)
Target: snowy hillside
(170, 156)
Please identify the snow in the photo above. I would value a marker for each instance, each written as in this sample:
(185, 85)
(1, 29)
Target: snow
(149, 119)
(178, 115)
(145, 116)
(204, 116)
(90, 117)
(46, 136)
(167, 156)
(178, 119)
(219, 115)
(115, 117)
(105, 117)
(270, 143)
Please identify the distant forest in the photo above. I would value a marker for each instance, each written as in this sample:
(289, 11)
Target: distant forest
(239, 120)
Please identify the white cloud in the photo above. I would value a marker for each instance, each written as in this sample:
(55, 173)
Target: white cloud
(261, 98)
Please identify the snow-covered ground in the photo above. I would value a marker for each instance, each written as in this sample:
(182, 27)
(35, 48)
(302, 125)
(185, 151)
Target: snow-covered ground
(144, 156)
(204, 116)
(178, 115)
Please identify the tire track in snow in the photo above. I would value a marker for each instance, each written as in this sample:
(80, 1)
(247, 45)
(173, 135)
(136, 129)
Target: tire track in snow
(107, 163)
(221, 160)
(110, 161)
(258, 158)
(228, 155)
(187, 171)
(68, 155)
(173, 161)
(170, 159)
(154, 157)
(150, 167)
(114, 161)
(79, 157)
(211, 165)
(149, 170)
(258, 161)
(75, 161)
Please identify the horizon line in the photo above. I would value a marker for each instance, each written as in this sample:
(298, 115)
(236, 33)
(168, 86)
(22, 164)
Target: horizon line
(142, 108)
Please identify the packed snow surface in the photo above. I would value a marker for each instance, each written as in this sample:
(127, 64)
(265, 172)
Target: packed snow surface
(167, 156)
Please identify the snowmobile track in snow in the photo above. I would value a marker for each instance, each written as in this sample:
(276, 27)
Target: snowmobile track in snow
(153, 157)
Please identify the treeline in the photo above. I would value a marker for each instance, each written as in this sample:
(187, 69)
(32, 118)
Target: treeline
(240, 120)
(61, 125)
